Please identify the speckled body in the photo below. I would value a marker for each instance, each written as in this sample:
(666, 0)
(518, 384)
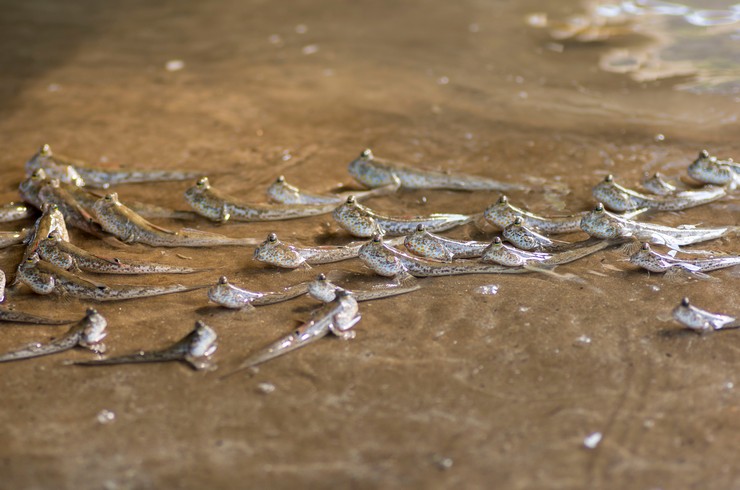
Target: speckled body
(600, 223)
(618, 198)
(216, 206)
(227, 295)
(337, 317)
(122, 222)
(68, 256)
(389, 262)
(55, 168)
(30, 187)
(15, 211)
(649, 259)
(711, 170)
(500, 253)
(195, 349)
(274, 252)
(74, 202)
(527, 239)
(45, 278)
(323, 290)
(375, 172)
(15, 316)
(88, 333)
(75, 212)
(657, 185)
(51, 221)
(76, 172)
(701, 320)
(425, 244)
(503, 214)
(284, 193)
(361, 221)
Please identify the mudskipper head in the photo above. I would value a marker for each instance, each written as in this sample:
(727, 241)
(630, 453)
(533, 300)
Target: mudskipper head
(322, 289)
(355, 218)
(500, 214)
(613, 195)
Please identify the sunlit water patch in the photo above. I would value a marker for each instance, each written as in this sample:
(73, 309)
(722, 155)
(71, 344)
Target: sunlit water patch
(697, 40)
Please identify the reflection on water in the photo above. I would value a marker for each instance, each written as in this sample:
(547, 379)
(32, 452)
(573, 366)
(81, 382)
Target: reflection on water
(696, 39)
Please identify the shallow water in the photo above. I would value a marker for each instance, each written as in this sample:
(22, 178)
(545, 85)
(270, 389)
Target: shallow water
(441, 388)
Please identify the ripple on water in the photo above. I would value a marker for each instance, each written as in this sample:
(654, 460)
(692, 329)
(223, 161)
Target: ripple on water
(688, 40)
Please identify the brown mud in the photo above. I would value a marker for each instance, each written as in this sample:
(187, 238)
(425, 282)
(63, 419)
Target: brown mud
(442, 388)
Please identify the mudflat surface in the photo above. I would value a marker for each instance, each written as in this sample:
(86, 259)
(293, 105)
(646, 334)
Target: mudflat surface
(443, 388)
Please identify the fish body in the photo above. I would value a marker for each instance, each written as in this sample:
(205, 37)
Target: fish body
(337, 317)
(195, 349)
(502, 214)
(51, 221)
(389, 262)
(70, 257)
(284, 193)
(361, 221)
(88, 333)
(658, 185)
(602, 224)
(227, 295)
(323, 290)
(525, 238)
(217, 206)
(700, 320)
(650, 260)
(15, 316)
(55, 168)
(15, 211)
(500, 253)
(376, 172)
(428, 245)
(711, 170)
(619, 198)
(75, 213)
(72, 201)
(120, 221)
(45, 278)
(77, 173)
(274, 252)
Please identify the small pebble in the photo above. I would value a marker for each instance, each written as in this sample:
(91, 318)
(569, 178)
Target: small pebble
(106, 416)
(310, 49)
(174, 65)
(265, 388)
(592, 440)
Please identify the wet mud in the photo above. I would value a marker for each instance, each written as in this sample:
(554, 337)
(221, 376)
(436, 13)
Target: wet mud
(445, 387)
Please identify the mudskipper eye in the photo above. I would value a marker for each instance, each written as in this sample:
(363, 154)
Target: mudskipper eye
(272, 237)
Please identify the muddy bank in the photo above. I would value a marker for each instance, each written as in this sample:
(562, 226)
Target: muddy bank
(441, 388)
